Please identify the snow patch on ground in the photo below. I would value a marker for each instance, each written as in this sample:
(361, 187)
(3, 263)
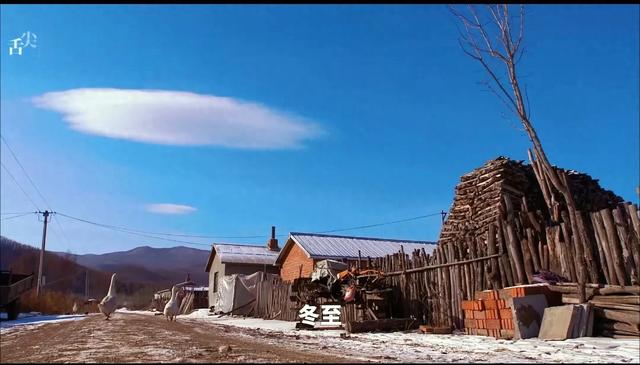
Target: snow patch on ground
(245, 322)
(125, 310)
(34, 319)
(417, 347)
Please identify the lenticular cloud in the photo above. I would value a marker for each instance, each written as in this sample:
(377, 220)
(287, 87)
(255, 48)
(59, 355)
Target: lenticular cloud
(168, 208)
(178, 118)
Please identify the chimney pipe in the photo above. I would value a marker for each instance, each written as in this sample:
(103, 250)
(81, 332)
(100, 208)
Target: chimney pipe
(272, 245)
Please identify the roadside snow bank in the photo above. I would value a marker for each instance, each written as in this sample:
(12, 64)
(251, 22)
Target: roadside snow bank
(34, 319)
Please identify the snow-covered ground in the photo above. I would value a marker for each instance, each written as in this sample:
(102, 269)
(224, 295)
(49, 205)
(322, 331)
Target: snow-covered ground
(417, 347)
(33, 319)
(409, 346)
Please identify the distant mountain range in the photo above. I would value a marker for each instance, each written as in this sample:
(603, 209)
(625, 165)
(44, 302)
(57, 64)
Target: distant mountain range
(141, 271)
(61, 273)
(148, 266)
(151, 265)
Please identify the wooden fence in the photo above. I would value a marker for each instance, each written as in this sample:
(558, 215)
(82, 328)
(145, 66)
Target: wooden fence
(604, 244)
(272, 300)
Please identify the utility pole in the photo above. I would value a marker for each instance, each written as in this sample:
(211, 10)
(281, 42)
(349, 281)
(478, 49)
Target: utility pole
(444, 215)
(45, 214)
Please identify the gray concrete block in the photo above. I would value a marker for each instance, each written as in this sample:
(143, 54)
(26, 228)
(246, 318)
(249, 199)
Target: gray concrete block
(558, 322)
(528, 312)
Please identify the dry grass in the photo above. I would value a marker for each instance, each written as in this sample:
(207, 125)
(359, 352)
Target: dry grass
(52, 302)
(55, 302)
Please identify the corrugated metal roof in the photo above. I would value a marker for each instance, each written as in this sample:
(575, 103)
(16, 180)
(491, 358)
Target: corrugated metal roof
(330, 246)
(246, 254)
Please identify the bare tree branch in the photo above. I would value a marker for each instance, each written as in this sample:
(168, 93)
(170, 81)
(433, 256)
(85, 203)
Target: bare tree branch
(478, 51)
(485, 36)
(521, 35)
(500, 97)
(526, 95)
(474, 27)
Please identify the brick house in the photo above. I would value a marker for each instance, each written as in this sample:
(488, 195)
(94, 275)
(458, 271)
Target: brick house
(233, 258)
(302, 250)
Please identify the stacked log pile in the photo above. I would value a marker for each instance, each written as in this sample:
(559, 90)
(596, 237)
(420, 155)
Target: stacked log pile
(479, 194)
(502, 230)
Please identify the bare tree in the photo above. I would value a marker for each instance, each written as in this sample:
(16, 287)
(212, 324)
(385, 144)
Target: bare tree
(494, 38)
(494, 41)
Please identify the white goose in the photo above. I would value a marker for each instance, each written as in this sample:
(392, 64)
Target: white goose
(172, 308)
(108, 304)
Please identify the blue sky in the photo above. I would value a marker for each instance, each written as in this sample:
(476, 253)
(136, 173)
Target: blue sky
(371, 114)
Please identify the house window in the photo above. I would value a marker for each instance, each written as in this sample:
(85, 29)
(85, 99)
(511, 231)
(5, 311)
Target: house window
(215, 281)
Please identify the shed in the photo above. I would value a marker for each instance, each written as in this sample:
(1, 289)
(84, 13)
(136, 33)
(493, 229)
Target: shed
(228, 259)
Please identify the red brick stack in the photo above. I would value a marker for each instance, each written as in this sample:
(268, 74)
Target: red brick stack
(553, 298)
(490, 315)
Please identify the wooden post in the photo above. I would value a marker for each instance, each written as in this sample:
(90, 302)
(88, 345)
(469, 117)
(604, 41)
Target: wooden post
(511, 239)
(630, 262)
(601, 252)
(567, 252)
(497, 281)
(587, 242)
(616, 251)
(533, 250)
(600, 231)
(572, 237)
(505, 260)
(633, 213)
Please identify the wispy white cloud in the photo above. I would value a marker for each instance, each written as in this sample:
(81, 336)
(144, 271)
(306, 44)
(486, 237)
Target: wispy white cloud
(178, 118)
(167, 208)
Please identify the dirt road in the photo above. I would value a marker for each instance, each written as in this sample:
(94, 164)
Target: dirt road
(139, 338)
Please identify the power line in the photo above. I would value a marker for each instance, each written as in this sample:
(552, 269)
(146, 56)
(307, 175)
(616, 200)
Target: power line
(16, 216)
(20, 186)
(380, 224)
(253, 236)
(4, 213)
(161, 233)
(154, 235)
(65, 277)
(64, 235)
(25, 172)
(132, 232)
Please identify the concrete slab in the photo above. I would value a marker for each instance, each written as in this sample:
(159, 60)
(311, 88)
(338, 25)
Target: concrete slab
(528, 312)
(558, 322)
